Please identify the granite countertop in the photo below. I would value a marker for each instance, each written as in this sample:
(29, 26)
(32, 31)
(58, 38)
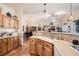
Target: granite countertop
(63, 47)
(8, 36)
(63, 33)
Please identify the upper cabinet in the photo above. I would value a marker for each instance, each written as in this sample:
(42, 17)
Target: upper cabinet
(11, 23)
(0, 20)
(6, 20)
(16, 24)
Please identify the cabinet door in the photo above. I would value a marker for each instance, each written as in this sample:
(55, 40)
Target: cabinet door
(3, 46)
(32, 46)
(11, 23)
(10, 43)
(6, 21)
(16, 42)
(16, 24)
(19, 41)
(39, 47)
(48, 49)
(0, 20)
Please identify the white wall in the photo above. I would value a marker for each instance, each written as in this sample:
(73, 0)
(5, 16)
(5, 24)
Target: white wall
(35, 20)
(6, 9)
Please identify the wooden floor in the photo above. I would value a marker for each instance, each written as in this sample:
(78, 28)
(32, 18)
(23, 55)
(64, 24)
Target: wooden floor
(20, 51)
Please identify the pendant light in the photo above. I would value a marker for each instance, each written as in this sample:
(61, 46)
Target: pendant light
(44, 9)
(70, 16)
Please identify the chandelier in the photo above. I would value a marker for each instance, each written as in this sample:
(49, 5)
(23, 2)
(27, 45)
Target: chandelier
(44, 8)
(70, 16)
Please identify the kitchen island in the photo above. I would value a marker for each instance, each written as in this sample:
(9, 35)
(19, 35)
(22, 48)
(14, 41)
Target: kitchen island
(59, 47)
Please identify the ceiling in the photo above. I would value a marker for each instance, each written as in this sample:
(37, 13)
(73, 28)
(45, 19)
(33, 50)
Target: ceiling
(37, 8)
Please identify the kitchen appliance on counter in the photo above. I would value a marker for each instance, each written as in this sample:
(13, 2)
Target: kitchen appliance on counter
(4, 34)
(75, 42)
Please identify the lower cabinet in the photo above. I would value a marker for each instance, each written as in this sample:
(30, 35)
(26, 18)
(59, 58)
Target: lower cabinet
(3, 46)
(16, 42)
(41, 48)
(32, 46)
(48, 49)
(8, 44)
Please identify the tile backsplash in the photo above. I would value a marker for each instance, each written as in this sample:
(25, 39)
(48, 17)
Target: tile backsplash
(7, 30)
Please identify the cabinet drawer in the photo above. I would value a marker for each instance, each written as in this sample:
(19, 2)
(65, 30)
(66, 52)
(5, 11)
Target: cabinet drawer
(32, 40)
(49, 45)
(5, 40)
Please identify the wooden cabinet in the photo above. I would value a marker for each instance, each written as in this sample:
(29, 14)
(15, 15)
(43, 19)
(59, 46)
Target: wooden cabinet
(6, 21)
(16, 24)
(39, 47)
(10, 43)
(32, 46)
(16, 42)
(11, 23)
(3, 46)
(0, 20)
(48, 49)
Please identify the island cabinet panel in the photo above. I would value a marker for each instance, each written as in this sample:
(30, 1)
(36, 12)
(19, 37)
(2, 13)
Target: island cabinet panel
(0, 20)
(6, 20)
(48, 49)
(39, 47)
(3, 46)
(10, 44)
(32, 46)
